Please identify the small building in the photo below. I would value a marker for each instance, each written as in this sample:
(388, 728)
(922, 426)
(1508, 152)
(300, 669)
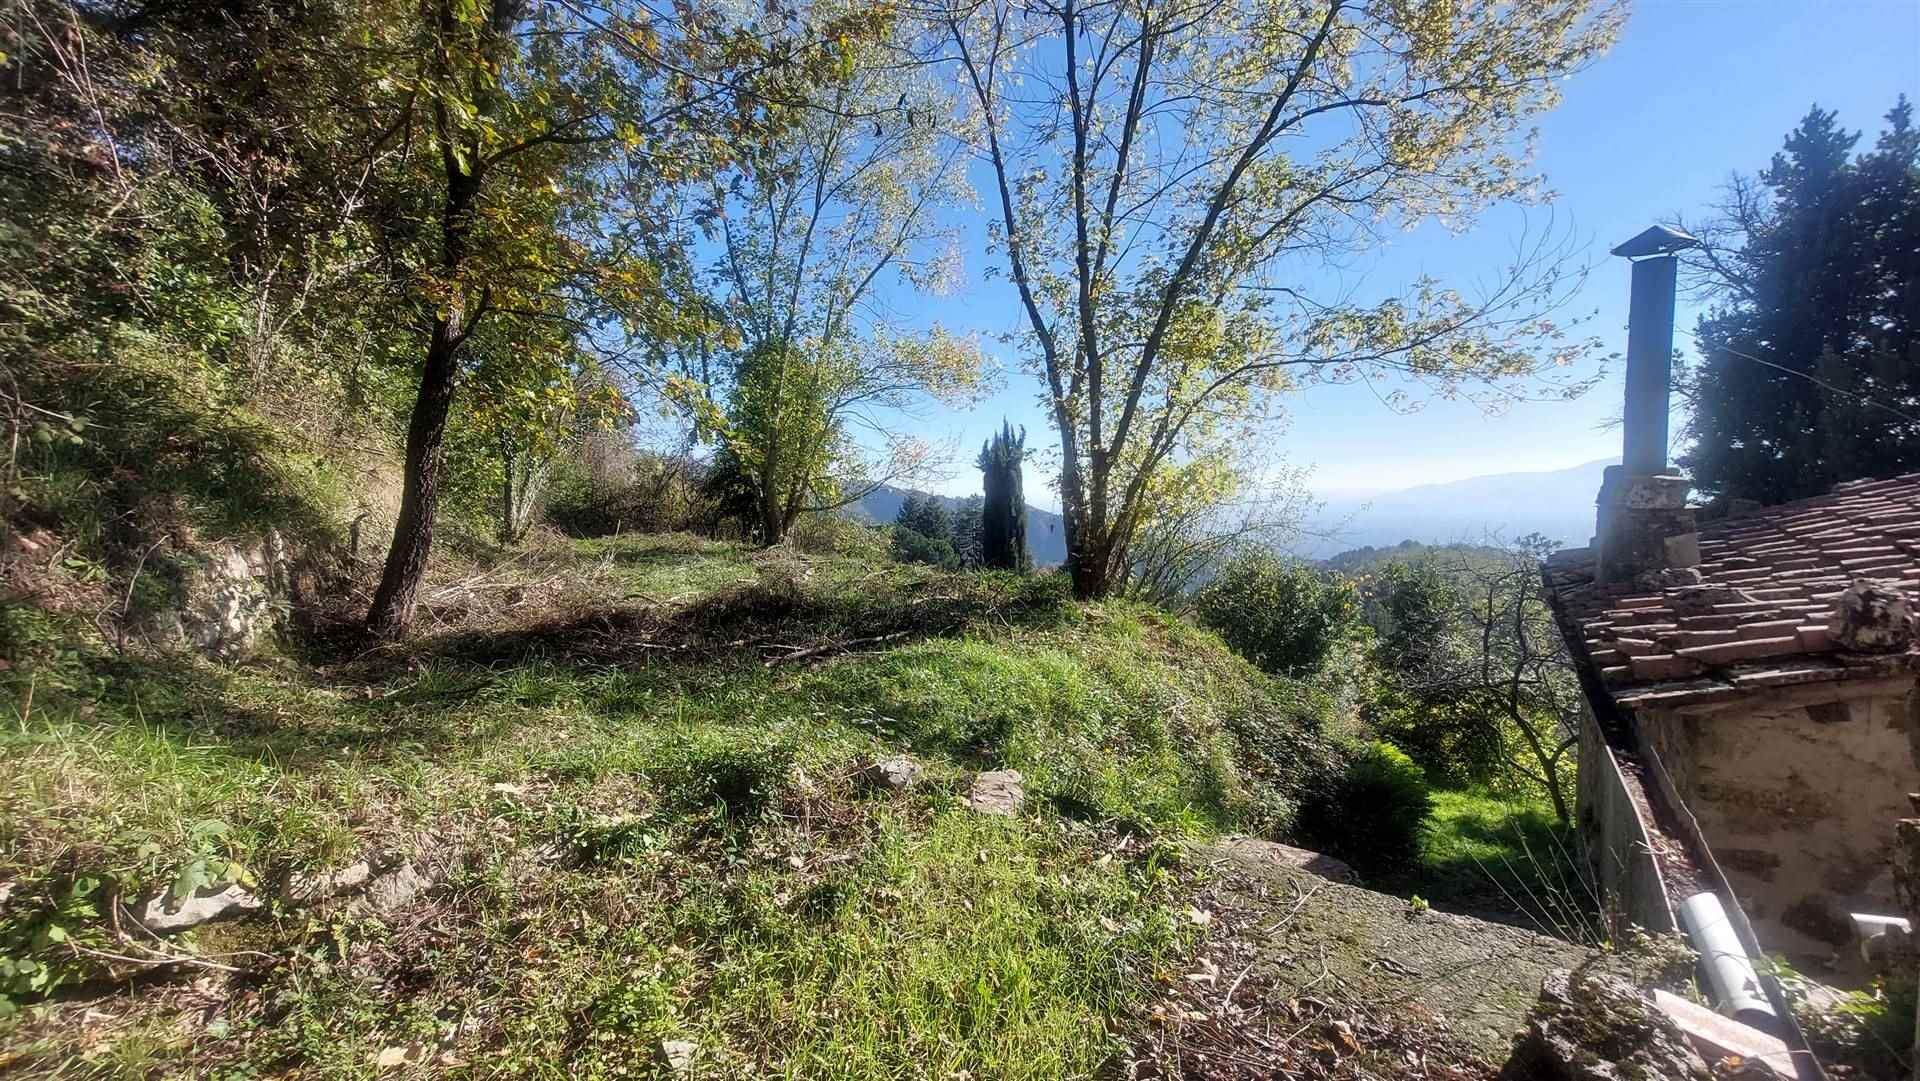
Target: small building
(1752, 720)
(1759, 687)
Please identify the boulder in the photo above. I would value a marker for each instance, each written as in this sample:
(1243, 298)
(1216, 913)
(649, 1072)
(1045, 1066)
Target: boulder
(165, 914)
(1594, 1025)
(1871, 617)
(895, 773)
(1255, 850)
(997, 792)
(230, 602)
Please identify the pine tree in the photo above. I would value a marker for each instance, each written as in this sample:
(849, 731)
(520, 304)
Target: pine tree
(1003, 517)
(1813, 354)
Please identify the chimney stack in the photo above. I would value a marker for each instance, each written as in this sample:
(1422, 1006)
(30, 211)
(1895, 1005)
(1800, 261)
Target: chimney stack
(1644, 524)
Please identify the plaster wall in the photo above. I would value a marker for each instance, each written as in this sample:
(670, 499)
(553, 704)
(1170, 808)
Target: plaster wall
(1796, 789)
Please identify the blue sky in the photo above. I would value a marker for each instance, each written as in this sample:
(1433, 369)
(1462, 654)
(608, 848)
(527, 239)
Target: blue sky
(1694, 90)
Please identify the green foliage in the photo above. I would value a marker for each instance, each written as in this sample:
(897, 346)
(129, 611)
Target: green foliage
(1870, 1030)
(926, 515)
(1491, 851)
(912, 546)
(1470, 674)
(37, 941)
(1003, 512)
(1375, 814)
(923, 533)
(1812, 347)
(659, 833)
(841, 536)
(1301, 128)
(1283, 616)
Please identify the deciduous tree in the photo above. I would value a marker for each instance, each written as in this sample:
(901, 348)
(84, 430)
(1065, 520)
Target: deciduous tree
(841, 200)
(534, 120)
(1171, 180)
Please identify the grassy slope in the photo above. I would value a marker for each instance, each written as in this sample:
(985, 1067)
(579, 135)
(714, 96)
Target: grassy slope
(635, 793)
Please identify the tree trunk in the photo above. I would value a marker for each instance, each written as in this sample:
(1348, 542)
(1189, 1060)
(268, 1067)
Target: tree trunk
(393, 604)
(1090, 567)
(391, 614)
(773, 518)
(509, 521)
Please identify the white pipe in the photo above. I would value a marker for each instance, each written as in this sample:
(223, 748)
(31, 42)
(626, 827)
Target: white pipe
(1730, 975)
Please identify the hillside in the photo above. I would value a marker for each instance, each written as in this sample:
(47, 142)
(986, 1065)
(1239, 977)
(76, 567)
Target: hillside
(651, 804)
(1046, 540)
(1478, 510)
(628, 809)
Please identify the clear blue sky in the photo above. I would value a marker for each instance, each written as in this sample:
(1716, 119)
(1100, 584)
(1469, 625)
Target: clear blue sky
(1694, 90)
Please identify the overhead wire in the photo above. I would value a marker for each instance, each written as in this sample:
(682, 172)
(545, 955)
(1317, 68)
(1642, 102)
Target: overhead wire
(1808, 376)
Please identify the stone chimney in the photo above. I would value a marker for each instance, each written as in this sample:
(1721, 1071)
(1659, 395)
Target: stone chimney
(1644, 524)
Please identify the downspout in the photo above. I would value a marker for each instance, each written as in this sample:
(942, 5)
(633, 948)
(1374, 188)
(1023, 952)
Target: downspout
(1730, 976)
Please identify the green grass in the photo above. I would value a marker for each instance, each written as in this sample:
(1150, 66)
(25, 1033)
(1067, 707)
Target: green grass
(639, 806)
(1504, 856)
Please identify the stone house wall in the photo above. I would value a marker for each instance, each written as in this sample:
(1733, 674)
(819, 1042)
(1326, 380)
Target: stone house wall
(1793, 787)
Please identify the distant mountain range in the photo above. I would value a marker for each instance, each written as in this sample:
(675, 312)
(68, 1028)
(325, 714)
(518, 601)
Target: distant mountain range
(1478, 510)
(1046, 541)
(1490, 510)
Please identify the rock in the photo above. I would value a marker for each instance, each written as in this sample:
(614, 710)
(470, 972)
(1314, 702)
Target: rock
(231, 600)
(309, 889)
(392, 890)
(1699, 600)
(1871, 617)
(997, 792)
(1255, 850)
(678, 1054)
(1593, 1025)
(896, 773)
(401, 1056)
(156, 914)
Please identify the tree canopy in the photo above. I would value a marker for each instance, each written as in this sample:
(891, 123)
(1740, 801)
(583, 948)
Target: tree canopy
(1168, 180)
(1809, 360)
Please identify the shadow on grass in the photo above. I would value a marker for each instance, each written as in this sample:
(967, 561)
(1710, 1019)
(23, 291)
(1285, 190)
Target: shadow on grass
(435, 695)
(1504, 859)
(255, 717)
(770, 623)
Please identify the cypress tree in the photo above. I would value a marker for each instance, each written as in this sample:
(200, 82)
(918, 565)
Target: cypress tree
(1003, 516)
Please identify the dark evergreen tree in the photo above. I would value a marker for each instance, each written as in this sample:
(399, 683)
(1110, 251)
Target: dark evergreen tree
(966, 530)
(1810, 359)
(926, 515)
(1003, 515)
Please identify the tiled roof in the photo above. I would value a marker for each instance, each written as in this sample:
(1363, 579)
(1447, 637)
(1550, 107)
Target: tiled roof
(1759, 615)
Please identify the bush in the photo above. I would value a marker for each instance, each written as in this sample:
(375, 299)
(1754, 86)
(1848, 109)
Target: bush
(1284, 617)
(829, 534)
(1375, 813)
(910, 546)
(642, 493)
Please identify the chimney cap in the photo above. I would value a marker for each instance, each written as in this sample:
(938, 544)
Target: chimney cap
(1659, 240)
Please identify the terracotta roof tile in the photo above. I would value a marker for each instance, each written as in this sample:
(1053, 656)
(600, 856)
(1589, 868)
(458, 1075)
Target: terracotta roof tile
(1759, 616)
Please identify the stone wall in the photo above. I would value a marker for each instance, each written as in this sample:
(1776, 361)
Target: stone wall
(1793, 788)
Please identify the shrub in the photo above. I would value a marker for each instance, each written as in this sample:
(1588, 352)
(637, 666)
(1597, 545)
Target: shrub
(1375, 813)
(838, 535)
(641, 493)
(910, 546)
(1284, 617)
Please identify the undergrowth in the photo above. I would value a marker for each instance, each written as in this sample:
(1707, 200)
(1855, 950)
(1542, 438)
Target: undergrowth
(638, 806)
